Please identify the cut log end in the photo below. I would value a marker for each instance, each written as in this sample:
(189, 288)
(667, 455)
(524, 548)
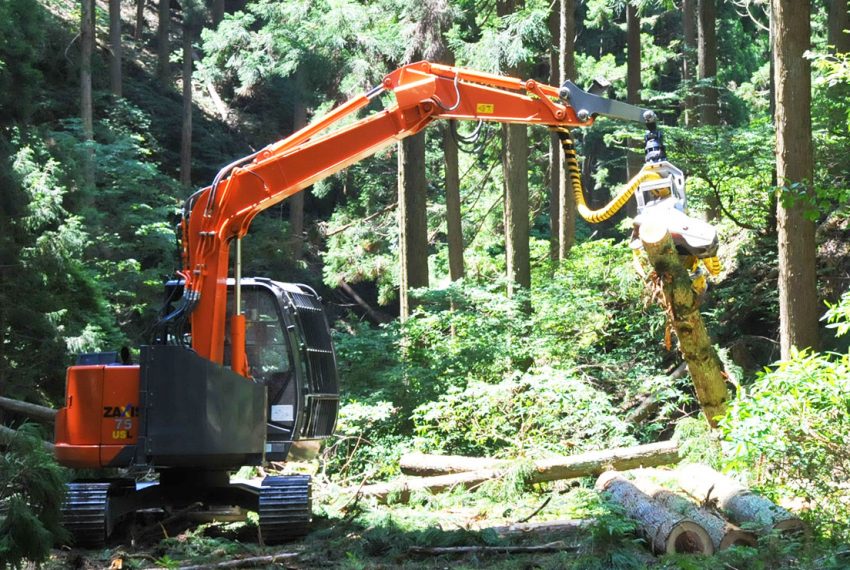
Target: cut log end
(790, 526)
(653, 232)
(737, 538)
(687, 537)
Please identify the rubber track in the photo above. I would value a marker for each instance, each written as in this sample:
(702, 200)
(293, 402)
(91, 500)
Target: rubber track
(84, 513)
(285, 508)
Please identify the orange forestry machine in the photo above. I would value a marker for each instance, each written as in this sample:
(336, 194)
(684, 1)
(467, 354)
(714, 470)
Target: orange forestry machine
(242, 370)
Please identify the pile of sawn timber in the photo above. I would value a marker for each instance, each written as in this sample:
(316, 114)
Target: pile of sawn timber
(693, 509)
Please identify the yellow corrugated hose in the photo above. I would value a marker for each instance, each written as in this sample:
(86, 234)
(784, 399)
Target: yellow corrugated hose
(602, 214)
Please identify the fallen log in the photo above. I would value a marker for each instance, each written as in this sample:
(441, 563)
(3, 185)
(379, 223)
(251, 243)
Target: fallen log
(723, 534)
(6, 435)
(682, 304)
(33, 411)
(667, 532)
(423, 465)
(740, 504)
(558, 546)
(564, 527)
(553, 469)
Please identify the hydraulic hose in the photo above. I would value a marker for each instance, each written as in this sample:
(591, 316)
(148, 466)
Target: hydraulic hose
(617, 202)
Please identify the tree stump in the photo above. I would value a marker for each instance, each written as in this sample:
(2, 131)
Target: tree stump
(682, 304)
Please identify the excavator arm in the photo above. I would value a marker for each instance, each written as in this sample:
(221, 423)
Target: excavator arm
(424, 92)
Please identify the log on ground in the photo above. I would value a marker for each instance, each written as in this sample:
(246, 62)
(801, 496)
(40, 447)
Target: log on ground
(682, 303)
(558, 546)
(553, 469)
(423, 465)
(723, 534)
(667, 532)
(740, 504)
(564, 527)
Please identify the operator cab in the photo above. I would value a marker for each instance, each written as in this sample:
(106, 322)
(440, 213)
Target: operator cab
(289, 349)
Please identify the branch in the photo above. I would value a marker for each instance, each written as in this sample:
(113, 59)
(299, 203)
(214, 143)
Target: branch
(366, 219)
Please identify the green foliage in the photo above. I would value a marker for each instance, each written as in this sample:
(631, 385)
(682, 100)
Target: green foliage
(32, 487)
(21, 51)
(545, 411)
(789, 433)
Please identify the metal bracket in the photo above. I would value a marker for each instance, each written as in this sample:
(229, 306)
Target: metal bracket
(589, 105)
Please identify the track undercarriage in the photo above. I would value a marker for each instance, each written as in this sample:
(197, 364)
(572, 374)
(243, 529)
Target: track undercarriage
(94, 509)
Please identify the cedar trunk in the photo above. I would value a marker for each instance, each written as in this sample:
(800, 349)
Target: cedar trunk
(798, 299)
(707, 54)
(666, 531)
(296, 202)
(412, 220)
(689, 59)
(186, 138)
(741, 505)
(454, 229)
(722, 534)
(115, 47)
(566, 198)
(555, 157)
(553, 469)
(163, 46)
(682, 304)
(838, 22)
(86, 111)
(217, 12)
(633, 85)
(140, 20)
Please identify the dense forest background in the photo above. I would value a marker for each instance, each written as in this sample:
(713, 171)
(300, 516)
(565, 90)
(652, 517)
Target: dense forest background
(473, 312)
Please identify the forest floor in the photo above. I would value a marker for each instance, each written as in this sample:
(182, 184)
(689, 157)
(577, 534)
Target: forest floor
(349, 533)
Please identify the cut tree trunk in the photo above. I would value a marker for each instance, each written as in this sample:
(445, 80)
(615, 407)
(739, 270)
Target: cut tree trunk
(553, 469)
(740, 504)
(562, 528)
(666, 531)
(33, 411)
(423, 465)
(722, 533)
(682, 304)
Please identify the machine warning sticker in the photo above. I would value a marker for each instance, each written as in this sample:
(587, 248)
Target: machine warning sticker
(283, 413)
(485, 108)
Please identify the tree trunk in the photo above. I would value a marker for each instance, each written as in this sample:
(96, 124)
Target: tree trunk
(567, 70)
(682, 304)
(555, 157)
(186, 138)
(217, 12)
(34, 411)
(689, 52)
(86, 111)
(554, 469)
(515, 166)
(140, 20)
(454, 229)
(163, 49)
(633, 85)
(115, 47)
(722, 534)
(741, 505)
(565, 527)
(296, 202)
(667, 532)
(423, 465)
(707, 55)
(412, 219)
(838, 22)
(798, 299)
